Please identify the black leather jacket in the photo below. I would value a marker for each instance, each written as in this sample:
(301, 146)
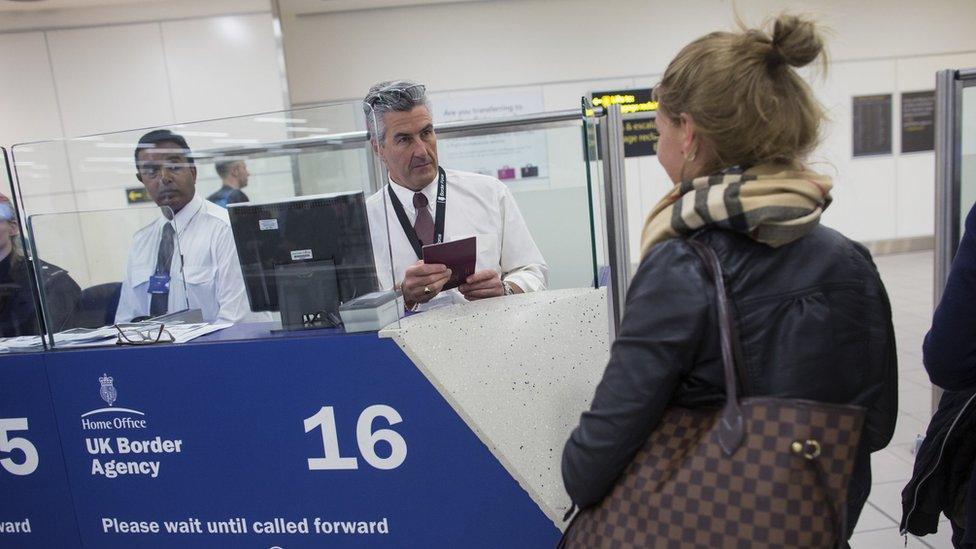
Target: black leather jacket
(18, 315)
(814, 322)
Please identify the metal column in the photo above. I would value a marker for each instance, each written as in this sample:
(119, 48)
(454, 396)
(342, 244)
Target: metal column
(948, 161)
(611, 131)
(947, 175)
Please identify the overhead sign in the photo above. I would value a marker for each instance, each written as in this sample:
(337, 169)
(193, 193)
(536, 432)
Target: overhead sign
(640, 132)
(630, 101)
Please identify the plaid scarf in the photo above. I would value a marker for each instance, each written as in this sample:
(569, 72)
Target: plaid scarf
(771, 204)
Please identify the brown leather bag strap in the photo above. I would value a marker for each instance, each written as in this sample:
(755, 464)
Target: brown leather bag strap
(731, 429)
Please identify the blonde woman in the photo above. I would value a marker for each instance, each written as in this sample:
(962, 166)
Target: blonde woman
(736, 125)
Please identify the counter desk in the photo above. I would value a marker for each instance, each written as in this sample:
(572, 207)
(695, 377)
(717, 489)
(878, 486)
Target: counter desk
(445, 432)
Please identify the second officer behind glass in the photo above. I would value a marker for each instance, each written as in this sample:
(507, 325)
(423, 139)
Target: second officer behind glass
(199, 232)
(402, 133)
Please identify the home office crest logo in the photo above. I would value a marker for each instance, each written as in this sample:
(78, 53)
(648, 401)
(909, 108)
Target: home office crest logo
(108, 392)
(112, 417)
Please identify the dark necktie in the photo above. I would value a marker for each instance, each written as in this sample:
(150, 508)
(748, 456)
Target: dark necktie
(424, 225)
(160, 302)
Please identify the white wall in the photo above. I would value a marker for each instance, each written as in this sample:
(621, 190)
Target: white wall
(570, 47)
(121, 67)
(337, 54)
(96, 70)
(119, 76)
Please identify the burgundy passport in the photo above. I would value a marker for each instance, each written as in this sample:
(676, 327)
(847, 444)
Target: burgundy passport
(459, 256)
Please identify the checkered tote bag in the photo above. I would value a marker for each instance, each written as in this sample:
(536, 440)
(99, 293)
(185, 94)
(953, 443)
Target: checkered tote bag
(760, 472)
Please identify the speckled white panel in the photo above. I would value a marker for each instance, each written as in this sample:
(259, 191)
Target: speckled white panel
(519, 371)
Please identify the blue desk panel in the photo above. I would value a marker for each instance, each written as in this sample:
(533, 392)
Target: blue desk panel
(34, 491)
(219, 436)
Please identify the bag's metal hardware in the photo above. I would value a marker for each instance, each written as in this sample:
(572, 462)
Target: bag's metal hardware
(809, 449)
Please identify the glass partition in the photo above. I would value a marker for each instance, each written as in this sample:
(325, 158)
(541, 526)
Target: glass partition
(286, 154)
(294, 207)
(967, 180)
(544, 170)
(503, 203)
(597, 199)
(261, 225)
(955, 171)
(19, 321)
(91, 252)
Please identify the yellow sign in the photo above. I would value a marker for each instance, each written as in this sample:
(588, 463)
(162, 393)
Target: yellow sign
(640, 132)
(630, 101)
(135, 195)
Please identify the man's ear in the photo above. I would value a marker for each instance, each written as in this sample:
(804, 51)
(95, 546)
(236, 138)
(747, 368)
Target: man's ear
(139, 177)
(378, 150)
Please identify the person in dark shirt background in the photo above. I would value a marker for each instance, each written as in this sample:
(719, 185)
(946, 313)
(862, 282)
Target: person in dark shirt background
(234, 175)
(949, 350)
(18, 314)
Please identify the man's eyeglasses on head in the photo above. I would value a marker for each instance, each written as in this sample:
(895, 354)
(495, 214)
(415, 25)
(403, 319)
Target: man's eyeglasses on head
(414, 93)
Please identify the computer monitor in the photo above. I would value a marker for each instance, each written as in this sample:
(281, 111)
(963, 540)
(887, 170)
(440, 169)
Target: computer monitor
(313, 251)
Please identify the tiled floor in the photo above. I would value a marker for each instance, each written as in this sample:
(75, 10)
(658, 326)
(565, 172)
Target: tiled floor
(908, 278)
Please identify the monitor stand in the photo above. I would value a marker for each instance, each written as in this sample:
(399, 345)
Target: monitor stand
(308, 295)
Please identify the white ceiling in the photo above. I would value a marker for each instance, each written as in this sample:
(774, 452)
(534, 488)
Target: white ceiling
(39, 5)
(312, 7)
(303, 7)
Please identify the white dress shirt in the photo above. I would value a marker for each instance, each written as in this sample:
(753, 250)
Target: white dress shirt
(205, 255)
(477, 205)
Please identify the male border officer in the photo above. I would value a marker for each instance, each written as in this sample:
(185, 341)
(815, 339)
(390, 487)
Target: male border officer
(402, 133)
(205, 258)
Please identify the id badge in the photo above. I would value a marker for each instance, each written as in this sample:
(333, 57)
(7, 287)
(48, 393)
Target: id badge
(159, 284)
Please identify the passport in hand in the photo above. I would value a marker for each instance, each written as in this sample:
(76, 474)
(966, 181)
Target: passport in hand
(459, 256)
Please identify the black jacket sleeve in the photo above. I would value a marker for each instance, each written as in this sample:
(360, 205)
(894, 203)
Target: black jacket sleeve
(949, 350)
(664, 318)
(879, 423)
(882, 409)
(881, 397)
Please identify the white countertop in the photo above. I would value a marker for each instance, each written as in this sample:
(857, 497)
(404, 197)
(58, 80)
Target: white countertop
(519, 371)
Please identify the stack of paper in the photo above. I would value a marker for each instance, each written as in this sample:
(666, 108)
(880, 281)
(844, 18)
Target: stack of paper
(108, 335)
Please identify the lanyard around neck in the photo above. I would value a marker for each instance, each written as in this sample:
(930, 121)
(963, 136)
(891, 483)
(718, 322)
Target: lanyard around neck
(438, 215)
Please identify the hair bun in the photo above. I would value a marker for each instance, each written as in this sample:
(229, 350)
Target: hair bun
(795, 41)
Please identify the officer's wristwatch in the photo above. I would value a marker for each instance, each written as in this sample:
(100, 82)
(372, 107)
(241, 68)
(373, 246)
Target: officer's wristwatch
(508, 288)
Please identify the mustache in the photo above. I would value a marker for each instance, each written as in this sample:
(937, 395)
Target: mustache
(417, 162)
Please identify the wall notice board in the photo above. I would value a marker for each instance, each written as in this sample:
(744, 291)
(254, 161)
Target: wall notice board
(918, 121)
(871, 125)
